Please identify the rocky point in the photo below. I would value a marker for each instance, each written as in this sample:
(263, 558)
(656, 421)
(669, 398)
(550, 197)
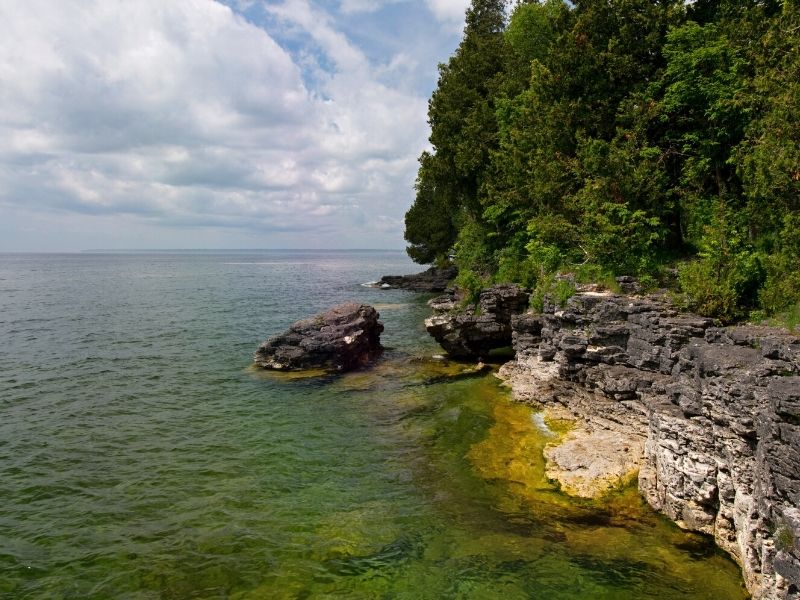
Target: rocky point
(431, 280)
(475, 330)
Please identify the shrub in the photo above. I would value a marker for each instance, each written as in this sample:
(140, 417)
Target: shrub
(721, 291)
(724, 281)
(557, 291)
(515, 267)
(781, 291)
(472, 284)
(591, 273)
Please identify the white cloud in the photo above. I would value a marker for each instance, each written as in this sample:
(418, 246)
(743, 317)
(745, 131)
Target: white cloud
(183, 114)
(445, 11)
(356, 6)
(451, 11)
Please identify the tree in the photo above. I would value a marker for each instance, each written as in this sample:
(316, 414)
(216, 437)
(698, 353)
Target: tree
(619, 137)
(463, 132)
(430, 227)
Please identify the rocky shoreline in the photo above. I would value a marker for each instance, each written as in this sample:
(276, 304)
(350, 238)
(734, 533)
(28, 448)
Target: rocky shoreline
(705, 418)
(434, 280)
(474, 331)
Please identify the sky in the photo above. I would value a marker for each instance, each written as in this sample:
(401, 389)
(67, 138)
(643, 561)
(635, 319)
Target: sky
(148, 124)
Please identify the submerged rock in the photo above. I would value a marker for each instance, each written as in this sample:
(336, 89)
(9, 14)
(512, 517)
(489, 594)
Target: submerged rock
(590, 463)
(474, 331)
(342, 338)
(431, 280)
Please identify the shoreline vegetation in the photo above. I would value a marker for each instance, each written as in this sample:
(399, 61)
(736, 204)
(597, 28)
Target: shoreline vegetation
(659, 140)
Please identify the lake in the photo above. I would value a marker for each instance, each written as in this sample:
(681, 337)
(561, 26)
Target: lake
(141, 456)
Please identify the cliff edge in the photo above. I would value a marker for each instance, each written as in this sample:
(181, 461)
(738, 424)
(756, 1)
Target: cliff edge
(709, 417)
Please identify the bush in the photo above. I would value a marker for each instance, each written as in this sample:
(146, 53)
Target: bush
(546, 257)
(590, 273)
(724, 281)
(471, 250)
(721, 291)
(781, 290)
(550, 289)
(622, 239)
(789, 318)
(472, 284)
(516, 268)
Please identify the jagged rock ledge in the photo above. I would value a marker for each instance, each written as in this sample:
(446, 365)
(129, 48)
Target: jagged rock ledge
(432, 280)
(474, 331)
(708, 416)
(342, 338)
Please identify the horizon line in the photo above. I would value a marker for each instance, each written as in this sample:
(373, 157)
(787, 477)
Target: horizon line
(151, 250)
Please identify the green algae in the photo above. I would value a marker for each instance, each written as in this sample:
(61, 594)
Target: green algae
(500, 528)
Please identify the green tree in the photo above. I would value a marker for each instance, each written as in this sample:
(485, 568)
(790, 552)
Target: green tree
(562, 157)
(463, 132)
(768, 160)
(620, 136)
(430, 228)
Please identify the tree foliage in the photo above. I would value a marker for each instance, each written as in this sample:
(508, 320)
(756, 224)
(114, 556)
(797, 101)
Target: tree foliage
(623, 137)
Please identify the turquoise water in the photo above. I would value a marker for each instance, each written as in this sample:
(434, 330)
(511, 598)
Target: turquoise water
(142, 457)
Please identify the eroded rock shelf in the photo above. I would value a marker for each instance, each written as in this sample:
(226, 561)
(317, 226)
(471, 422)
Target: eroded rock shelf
(709, 417)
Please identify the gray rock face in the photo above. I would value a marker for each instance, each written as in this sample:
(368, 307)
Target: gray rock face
(340, 339)
(431, 280)
(474, 331)
(718, 408)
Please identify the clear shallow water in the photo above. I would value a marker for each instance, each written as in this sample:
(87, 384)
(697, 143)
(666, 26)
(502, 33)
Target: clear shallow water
(141, 457)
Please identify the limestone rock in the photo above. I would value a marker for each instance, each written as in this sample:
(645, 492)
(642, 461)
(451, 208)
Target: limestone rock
(431, 280)
(474, 331)
(342, 338)
(588, 463)
(715, 411)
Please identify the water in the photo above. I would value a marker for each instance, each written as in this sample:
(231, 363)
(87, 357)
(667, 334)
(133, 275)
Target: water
(141, 456)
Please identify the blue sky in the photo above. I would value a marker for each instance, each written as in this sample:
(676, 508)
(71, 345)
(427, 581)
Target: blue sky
(206, 124)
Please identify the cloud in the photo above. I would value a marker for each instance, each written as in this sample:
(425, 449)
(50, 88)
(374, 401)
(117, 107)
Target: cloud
(357, 6)
(184, 114)
(450, 11)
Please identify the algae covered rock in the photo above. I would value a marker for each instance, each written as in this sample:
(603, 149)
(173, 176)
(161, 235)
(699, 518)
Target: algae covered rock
(342, 338)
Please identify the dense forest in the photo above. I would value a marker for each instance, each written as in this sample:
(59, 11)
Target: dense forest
(655, 138)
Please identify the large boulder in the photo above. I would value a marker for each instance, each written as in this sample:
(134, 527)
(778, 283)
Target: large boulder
(342, 338)
(474, 331)
(432, 280)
